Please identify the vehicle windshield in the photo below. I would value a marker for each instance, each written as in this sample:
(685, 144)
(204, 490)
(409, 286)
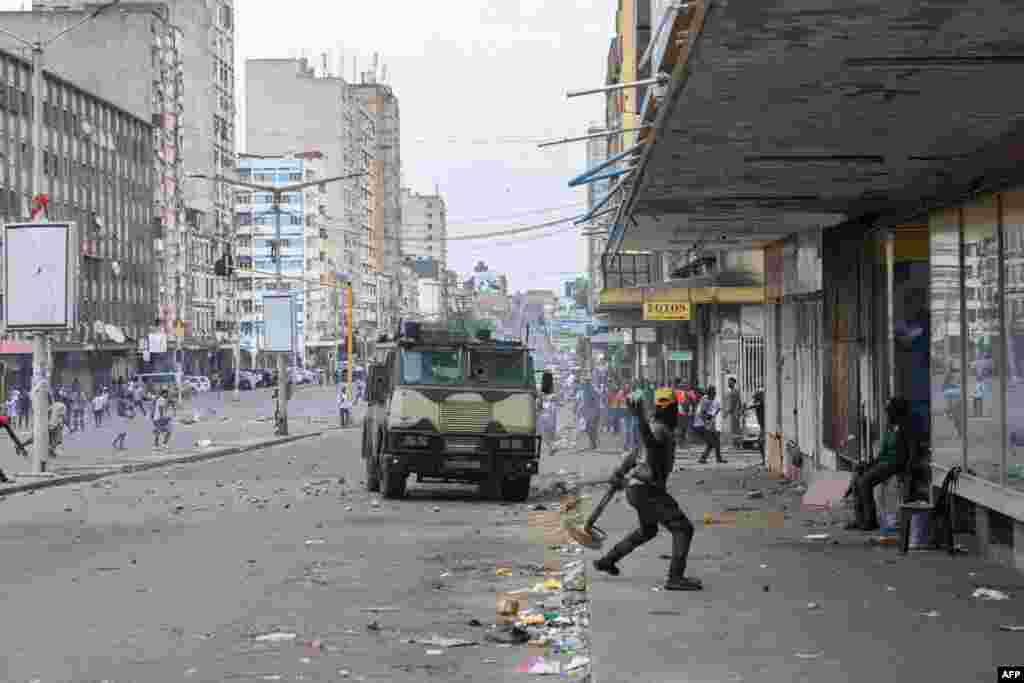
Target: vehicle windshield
(431, 367)
(499, 368)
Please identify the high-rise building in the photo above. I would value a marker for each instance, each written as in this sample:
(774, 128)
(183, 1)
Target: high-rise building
(122, 56)
(307, 268)
(100, 171)
(291, 107)
(381, 104)
(424, 227)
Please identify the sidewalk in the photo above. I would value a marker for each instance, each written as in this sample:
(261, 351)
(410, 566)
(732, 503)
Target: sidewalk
(223, 428)
(780, 608)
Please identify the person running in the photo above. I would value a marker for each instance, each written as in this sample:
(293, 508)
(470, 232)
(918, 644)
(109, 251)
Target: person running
(161, 420)
(705, 422)
(646, 483)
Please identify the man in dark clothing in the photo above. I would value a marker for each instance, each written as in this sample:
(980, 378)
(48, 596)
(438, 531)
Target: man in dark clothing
(898, 446)
(646, 485)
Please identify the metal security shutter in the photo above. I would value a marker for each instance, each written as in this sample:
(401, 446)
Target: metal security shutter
(808, 398)
(789, 371)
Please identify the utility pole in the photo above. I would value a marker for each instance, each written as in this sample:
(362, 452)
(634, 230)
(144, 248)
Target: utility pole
(277, 193)
(40, 352)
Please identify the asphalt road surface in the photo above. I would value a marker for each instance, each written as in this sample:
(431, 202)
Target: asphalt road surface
(173, 575)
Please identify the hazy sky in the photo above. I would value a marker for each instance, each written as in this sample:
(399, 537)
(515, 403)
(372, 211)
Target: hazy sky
(468, 73)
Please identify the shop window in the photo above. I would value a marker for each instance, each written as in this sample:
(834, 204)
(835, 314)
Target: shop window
(1013, 241)
(945, 293)
(983, 386)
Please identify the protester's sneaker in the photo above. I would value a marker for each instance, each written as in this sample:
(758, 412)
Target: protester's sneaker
(684, 584)
(607, 567)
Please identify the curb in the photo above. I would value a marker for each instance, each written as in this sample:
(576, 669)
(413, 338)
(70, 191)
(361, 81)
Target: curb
(83, 477)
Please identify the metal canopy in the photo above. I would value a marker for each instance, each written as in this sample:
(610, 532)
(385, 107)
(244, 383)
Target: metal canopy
(791, 116)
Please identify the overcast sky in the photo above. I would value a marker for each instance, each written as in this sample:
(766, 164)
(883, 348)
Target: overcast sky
(467, 73)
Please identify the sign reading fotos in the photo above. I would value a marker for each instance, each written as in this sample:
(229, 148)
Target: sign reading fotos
(41, 277)
(667, 310)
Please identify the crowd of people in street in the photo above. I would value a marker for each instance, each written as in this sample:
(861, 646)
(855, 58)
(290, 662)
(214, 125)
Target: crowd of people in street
(600, 408)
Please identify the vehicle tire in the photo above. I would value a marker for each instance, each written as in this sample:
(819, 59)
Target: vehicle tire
(492, 489)
(372, 473)
(392, 483)
(516, 490)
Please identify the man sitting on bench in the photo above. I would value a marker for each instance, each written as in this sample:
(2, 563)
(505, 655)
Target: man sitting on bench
(898, 446)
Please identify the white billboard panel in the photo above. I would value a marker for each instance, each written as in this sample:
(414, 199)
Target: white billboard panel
(279, 322)
(40, 276)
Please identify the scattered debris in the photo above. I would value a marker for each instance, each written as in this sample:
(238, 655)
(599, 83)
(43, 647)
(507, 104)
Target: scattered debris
(817, 537)
(1012, 629)
(989, 594)
(813, 605)
(930, 613)
(665, 613)
(754, 495)
(315, 541)
(766, 588)
(276, 637)
(373, 626)
(439, 641)
(809, 655)
(509, 634)
(435, 652)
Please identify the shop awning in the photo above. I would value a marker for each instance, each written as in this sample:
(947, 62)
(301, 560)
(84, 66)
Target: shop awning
(782, 117)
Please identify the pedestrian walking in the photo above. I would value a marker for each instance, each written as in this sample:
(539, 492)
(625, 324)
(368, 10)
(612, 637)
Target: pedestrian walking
(56, 423)
(646, 482)
(589, 413)
(97, 410)
(139, 397)
(549, 424)
(161, 420)
(344, 407)
(705, 423)
(24, 408)
(105, 394)
(78, 413)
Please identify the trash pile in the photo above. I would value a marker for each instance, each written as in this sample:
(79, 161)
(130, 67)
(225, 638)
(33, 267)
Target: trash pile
(551, 617)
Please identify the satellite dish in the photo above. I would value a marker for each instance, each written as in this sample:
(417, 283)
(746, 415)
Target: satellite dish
(115, 333)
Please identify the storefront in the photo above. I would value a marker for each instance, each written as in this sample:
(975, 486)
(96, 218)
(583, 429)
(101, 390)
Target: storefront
(977, 348)
(794, 344)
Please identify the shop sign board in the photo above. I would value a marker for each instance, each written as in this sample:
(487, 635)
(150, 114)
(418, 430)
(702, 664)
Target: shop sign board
(680, 355)
(666, 310)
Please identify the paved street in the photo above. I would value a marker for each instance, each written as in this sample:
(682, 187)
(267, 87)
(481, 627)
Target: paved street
(176, 574)
(221, 421)
(173, 575)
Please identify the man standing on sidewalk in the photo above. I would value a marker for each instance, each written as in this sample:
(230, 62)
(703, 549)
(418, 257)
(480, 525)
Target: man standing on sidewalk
(647, 492)
(161, 421)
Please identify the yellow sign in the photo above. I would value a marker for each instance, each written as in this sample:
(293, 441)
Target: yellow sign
(179, 330)
(666, 310)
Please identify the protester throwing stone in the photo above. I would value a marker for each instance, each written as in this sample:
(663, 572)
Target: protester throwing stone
(646, 483)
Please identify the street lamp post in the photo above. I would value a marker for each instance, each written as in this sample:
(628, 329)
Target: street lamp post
(277, 192)
(40, 361)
